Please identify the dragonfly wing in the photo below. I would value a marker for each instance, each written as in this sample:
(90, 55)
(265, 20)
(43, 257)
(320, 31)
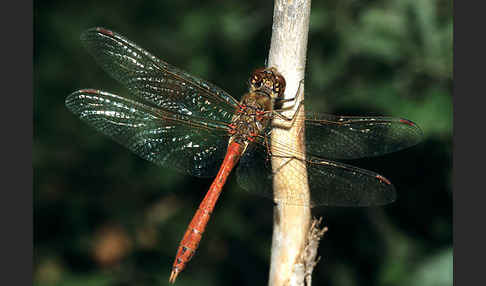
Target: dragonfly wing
(337, 184)
(156, 81)
(331, 183)
(349, 137)
(254, 172)
(165, 138)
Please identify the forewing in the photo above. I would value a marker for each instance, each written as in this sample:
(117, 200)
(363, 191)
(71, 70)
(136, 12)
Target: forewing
(348, 137)
(156, 81)
(169, 139)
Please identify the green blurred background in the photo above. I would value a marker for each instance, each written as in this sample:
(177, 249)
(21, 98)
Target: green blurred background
(105, 217)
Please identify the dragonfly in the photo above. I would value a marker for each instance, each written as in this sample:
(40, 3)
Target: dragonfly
(177, 120)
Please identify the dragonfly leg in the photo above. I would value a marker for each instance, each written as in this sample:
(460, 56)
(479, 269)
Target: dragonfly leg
(301, 82)
(280, 101)
(289, 158)
(278, 112)
(288, 118)
(267, 144)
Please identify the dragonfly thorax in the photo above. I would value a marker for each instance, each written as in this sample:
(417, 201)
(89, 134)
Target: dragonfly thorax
(256, 106)
(251, 118)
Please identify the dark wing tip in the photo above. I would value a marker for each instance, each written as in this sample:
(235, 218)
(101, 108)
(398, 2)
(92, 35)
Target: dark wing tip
(391, 193)
(72, 101)
(383, 180)
(412, 125)
(104, 31)
(97, 30)
(95, 34)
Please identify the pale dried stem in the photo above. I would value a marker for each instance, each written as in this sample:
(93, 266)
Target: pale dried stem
(291, 221)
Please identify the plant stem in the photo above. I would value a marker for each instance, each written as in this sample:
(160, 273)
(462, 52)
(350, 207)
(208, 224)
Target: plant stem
(291, 221)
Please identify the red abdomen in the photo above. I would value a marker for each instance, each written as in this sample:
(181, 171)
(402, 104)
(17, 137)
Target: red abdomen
(193, 235)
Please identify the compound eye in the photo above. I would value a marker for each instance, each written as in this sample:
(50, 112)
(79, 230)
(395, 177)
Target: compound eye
(279, 86)
(256, 82)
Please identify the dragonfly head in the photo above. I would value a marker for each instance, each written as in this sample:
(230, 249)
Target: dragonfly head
(268, 81)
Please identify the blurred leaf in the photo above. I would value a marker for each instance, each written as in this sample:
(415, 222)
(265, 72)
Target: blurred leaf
(434, 271)
(381, 35)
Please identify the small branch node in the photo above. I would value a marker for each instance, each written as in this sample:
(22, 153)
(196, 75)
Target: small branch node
(309, 255)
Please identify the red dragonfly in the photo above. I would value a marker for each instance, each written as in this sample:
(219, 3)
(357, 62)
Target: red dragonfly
(180, 121)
